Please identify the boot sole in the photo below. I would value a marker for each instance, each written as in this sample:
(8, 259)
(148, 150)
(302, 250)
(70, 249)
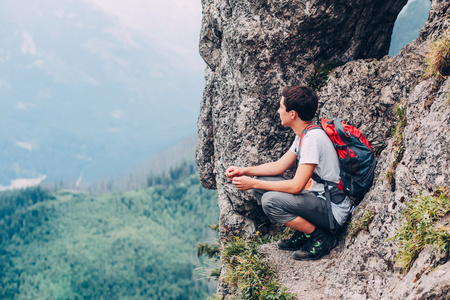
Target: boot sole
(321, 254)
(289, 249)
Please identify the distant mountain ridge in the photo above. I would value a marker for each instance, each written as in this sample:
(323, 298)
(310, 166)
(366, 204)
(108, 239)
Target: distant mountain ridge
(81, 94)
(160, 164)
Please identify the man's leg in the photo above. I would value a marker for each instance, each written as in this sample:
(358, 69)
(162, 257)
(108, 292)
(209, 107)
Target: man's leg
(301, 224)
(288, 209)
(300, 236)
(298, 223)
(298, 239)
(302, 212)
(305, 213)
(259, 193)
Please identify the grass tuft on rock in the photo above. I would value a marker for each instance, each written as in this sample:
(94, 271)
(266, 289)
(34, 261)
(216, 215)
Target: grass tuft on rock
(398, 144)
(248, 273)
(320, 76)
(437, 59)
(422, 226)
(361, 224)
(250, 277)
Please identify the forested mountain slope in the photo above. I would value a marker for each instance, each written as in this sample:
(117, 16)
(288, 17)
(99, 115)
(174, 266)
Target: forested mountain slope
(134, 245)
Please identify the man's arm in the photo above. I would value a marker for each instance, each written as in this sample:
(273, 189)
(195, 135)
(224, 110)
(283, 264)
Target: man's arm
(270, 169)
(293, 186)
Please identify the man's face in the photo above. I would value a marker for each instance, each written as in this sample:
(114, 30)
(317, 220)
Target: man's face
(284, 115)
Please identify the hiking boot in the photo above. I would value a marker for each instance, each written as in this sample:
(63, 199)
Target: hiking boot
(295, 242)
(320, 243)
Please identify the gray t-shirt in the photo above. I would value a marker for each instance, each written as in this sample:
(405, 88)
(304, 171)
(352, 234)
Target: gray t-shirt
(318, 149)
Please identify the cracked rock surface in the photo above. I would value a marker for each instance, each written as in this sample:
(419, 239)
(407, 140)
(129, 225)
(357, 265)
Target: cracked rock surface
(255, 48)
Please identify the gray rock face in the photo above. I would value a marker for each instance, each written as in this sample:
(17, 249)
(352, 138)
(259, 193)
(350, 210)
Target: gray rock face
(368, 261)
(255, 48)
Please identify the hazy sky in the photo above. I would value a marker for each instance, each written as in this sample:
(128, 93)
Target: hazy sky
(172, 25)
(87, 82)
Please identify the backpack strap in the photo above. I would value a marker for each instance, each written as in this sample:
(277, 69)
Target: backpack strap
(305, 131)
(326, 185)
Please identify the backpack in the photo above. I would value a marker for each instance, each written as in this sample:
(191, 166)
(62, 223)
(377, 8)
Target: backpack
(357, 160)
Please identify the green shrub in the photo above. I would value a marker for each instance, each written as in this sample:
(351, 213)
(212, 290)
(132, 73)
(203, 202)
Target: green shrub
(421, 227)
(216, 297)
(320, 76)
(248, 273)
(210, 250)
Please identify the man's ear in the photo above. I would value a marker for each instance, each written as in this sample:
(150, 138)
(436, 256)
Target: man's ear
(293, 114)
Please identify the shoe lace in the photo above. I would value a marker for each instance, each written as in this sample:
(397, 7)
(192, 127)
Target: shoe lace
(298, 235)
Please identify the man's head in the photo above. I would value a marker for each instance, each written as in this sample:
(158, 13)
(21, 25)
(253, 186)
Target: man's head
(302, 100)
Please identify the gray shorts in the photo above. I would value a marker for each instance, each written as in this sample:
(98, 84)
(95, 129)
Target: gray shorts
(284, 207)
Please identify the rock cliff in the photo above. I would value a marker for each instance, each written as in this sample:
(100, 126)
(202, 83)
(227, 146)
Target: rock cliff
(253, 48)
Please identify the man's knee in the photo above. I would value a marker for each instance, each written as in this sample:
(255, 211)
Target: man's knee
(269, 202)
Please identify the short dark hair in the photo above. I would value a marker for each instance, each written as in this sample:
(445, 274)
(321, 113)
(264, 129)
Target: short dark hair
(301, 99)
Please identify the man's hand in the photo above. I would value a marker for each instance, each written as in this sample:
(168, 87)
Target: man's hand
(243, 182)
(234, 171)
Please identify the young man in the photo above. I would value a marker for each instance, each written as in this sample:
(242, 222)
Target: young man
(299, 203)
